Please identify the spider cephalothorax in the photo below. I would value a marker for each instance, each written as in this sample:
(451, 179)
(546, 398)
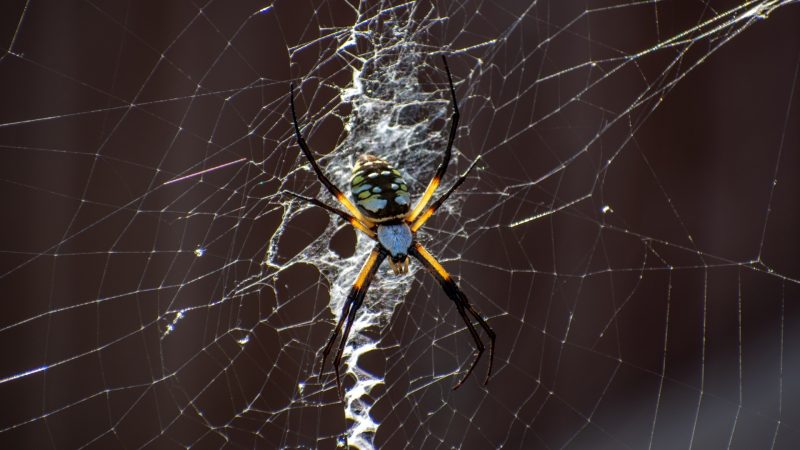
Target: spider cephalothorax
(382, 211)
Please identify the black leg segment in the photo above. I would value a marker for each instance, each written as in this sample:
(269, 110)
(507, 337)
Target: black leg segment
(462, 305)
(351, 305)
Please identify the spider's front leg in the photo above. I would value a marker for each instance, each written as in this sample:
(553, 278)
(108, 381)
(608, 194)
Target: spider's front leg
(351, 305)
(462, 305)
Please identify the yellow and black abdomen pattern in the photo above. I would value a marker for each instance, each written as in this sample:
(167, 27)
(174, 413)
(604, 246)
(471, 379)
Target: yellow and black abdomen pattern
(379, 191)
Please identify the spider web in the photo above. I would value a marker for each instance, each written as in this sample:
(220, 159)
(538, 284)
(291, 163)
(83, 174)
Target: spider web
(630, 233)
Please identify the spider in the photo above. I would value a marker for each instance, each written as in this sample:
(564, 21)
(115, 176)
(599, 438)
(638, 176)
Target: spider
(382, 212)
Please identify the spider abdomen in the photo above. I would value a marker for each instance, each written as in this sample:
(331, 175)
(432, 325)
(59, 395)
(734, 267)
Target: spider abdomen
(378, 189)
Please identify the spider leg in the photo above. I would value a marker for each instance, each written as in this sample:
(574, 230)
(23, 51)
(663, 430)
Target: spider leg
(351, 305)
(347, 217)
(336, 192)
(332, 339)
(431, 209)
(462, 305)
(437, 177)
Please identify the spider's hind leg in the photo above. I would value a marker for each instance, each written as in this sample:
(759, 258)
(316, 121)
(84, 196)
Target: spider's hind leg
(440, 171)
(335, 191)
(347, 217)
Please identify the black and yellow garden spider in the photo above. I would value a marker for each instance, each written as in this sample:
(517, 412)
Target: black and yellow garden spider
(381, 211)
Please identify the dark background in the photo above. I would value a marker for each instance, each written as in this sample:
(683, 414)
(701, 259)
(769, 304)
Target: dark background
(669, 321)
